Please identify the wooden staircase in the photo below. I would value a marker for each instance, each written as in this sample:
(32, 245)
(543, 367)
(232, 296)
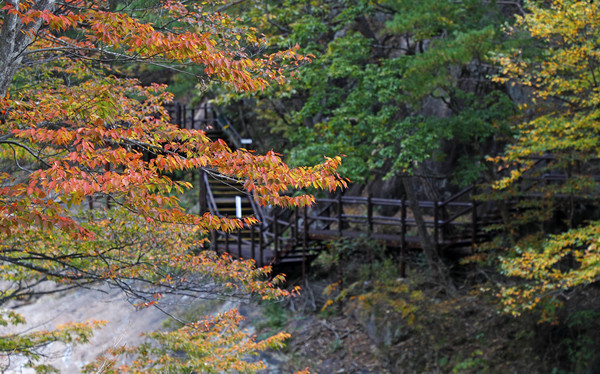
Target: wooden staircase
(225, 196)
(228, 199)
(294, 238)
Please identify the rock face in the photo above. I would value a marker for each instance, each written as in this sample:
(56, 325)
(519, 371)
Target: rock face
(336, 344)
(125, 325)
(384, 329)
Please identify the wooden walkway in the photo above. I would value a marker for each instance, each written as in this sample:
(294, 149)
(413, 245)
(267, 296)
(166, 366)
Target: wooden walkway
(296, 236)
(290, 237)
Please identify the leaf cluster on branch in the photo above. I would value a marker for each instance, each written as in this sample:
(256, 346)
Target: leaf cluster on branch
(74, 130)
(557, 137)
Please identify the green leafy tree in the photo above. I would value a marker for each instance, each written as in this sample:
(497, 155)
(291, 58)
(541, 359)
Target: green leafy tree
(399, 87)
(390, 81)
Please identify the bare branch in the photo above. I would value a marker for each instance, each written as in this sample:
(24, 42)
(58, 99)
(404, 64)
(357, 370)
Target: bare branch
(29, 150)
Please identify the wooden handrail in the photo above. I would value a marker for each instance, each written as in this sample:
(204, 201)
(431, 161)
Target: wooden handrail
(229, 130)
(211, 199)
(457, 195)
(285, 238)
(458, 215)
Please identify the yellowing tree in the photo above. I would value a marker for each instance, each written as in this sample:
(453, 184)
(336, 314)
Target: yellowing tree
(557, 251)
(72, 128)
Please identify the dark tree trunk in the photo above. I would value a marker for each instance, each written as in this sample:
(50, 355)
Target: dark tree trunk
(437, 268)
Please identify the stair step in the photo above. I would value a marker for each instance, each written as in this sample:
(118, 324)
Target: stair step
(231, 213)
(230, 199)
(219, 192)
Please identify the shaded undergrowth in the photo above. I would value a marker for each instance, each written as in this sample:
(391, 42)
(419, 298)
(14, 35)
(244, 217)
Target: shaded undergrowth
(415, 325)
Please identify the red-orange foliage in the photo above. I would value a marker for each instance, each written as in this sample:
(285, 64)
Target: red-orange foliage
(73, 128)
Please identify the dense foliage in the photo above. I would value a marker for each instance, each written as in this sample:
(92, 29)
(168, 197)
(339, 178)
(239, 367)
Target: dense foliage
(74, 132)
(437, 94)
(391, 83)
(556, 232)
(456, 92)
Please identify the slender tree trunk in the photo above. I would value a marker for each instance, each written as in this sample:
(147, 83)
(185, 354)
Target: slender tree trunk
(15, 38)
(503, 207)
(438, 270)
(8, 35)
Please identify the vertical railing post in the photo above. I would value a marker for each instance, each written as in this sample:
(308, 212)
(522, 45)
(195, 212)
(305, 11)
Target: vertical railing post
(339, 214)
(193, 118)
(261, 244)
(369, 216)
(369, 228)
(435, 226)
(442, 216)
(184, 117)
(276, 235)
(296, 226)
(252, 244)
(227, 241)
(182, 110)
(473, 221)
(402, 237)
(239, 242)
(202, 192)
(304, 242)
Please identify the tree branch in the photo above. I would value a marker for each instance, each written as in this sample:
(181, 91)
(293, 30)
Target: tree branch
(29, 150)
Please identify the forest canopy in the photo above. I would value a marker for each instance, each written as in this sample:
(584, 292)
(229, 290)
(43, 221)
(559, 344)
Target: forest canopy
(419, 98)
(447, 94)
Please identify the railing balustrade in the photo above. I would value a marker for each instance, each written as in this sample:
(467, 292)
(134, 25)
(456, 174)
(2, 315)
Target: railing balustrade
(290, 236)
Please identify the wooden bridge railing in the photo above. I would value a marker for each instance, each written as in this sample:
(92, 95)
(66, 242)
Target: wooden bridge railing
(446, 220)
(287, 236)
